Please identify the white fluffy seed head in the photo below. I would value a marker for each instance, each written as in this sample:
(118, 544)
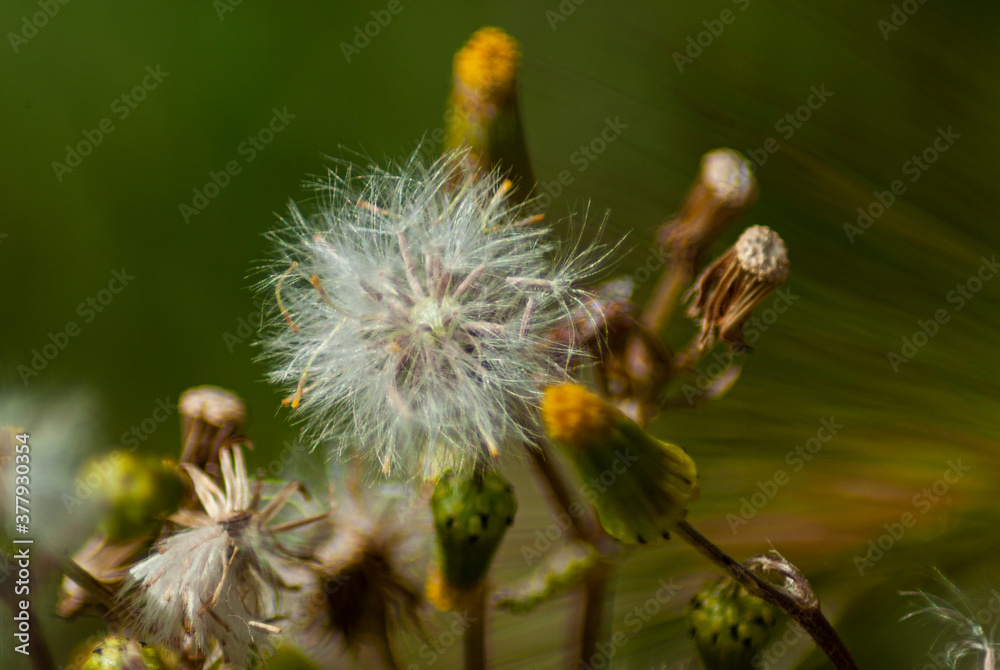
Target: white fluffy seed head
(419, 316)
(170, 591)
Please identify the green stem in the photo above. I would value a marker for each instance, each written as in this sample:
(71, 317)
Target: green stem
(475, 636)
(597, 590)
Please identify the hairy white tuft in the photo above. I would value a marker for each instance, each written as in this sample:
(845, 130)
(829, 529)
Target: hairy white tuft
(974, 631)
(211, 587)
(419, 308)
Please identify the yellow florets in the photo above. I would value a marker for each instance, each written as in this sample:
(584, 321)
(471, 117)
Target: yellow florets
(488, 62)
(575, 416)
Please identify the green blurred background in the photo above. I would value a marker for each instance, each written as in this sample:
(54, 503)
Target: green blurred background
(230, 66)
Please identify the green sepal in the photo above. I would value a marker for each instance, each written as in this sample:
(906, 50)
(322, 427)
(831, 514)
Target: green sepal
(640, 486)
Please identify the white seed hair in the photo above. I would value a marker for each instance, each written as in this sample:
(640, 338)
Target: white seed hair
(213, 582)
(419, 312)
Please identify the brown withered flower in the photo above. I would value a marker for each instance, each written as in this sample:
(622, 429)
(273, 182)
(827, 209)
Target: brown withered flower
(725, 188)
(729, 289)
(211, 417)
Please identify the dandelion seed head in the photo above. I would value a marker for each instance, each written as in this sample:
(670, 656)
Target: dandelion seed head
(417, 315)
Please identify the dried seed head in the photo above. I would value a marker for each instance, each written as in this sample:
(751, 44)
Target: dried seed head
(210, 584)
(725, 188)
(729, 289)
(417, 318)
(762, 253)
(107, 562)
(210, 418)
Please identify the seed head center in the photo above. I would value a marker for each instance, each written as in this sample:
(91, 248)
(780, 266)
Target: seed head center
(433, 315)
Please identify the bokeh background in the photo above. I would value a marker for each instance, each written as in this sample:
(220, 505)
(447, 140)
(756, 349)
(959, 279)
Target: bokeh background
(189, 315)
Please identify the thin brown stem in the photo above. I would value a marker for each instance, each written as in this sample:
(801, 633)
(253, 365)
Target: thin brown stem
(596, 600)
(811, 619)
(475, 636)
(666, 295)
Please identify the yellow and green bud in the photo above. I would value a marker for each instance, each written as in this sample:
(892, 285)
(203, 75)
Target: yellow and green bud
(115, 652)
(729, 626)
(135, 493)
(471, 515)
(640, 486)
(483, 116)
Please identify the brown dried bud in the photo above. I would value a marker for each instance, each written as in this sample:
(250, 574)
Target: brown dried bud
(729, 289)
(210, 418)
(725, 188)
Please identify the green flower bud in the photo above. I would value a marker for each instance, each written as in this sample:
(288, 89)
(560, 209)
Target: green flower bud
(136, 493)
(729, 626)
(640, 486)
(120, 653)
(471, 516)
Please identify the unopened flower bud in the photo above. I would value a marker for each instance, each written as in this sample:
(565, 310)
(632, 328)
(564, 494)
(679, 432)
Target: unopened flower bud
(729, 626)
(729, 289)
(116, 652)
(725, 188)
(211, 417)
(640, 486)
(471, 516)
(136, 493)
(483, 113)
